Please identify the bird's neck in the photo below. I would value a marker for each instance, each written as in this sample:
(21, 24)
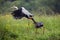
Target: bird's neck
(34, 21)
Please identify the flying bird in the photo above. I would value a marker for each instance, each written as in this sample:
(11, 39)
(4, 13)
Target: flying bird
(19, 13)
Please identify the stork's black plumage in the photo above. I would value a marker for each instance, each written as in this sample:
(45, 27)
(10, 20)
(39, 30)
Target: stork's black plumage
(17, 14)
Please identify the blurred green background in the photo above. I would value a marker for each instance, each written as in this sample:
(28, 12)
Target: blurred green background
(46, 11)
(48, 6)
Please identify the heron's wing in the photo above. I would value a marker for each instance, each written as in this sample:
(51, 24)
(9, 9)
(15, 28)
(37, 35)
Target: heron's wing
(26, 12)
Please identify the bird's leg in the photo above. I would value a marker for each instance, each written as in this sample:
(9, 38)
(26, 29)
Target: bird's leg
(43, 28)
(33, 21)
(28, 22)
(35, 30)
(28, 26)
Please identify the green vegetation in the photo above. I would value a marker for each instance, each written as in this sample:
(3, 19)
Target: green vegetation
(46, 11)
(12, 29)
(32, 5)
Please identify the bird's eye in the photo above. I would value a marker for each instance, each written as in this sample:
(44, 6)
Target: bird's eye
(30, 15)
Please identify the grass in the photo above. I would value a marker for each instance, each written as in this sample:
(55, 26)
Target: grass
(23, 29)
